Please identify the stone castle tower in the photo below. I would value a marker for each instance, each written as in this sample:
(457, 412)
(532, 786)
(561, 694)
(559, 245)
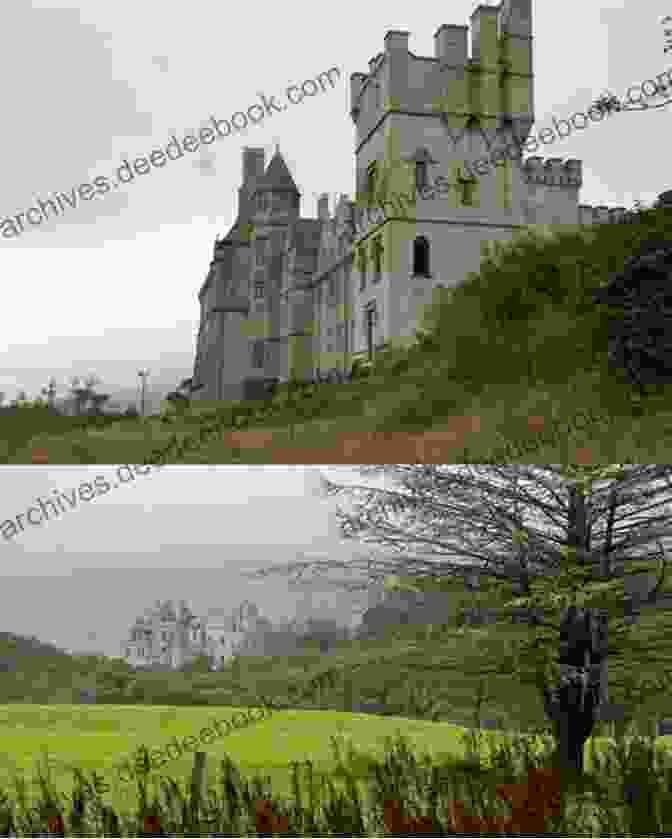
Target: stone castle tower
(170, 637)
(289, 297)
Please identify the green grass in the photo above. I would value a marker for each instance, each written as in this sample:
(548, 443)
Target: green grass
(448, 666)
(97, 738)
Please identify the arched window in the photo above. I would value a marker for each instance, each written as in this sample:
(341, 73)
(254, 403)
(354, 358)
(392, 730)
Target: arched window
(421, 257)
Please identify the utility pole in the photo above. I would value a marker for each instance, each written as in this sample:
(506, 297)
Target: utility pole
(143, 375)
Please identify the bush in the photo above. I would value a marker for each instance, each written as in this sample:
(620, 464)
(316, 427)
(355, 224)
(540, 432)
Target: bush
(640, 331)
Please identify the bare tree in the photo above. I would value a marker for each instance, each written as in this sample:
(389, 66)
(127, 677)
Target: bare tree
(561, 534)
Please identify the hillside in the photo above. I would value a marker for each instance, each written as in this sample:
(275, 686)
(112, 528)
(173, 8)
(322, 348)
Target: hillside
(511, 364)
(37, 672)
(414, 671)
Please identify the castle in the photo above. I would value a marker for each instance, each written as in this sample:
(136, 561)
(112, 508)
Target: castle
(171, 637)
(290, 297)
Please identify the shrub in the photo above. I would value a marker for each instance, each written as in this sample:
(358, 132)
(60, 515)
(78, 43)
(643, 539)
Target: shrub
(640, 298)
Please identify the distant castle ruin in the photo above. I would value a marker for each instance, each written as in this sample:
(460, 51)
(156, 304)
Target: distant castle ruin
(170, 637)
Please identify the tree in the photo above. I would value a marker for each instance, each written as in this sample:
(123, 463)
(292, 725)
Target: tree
(550, 536)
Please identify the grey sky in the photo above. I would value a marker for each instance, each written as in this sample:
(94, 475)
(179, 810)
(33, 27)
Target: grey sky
(110, 287)
(79, 580)
(178, 532)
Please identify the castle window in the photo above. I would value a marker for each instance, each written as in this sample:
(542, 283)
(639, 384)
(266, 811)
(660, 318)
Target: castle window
(257, 354)
(332, 288)
(421, 175)
(371, 180)
(377, 259)
(421, 257)
(370, 320)
(259, 290)
(467, 186)
(362, 269)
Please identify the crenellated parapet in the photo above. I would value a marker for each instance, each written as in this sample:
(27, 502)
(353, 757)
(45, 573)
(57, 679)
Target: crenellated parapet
(602, 215)
(552, 171)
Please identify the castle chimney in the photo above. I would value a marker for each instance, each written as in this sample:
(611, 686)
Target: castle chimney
(450, 44)
(323, 207)
(253, 164)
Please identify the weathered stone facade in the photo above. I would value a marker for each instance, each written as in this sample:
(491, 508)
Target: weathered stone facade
(171, 637)
(291, 297)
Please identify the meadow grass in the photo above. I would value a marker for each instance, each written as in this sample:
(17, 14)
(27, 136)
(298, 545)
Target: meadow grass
(536, 420)
(336, 745)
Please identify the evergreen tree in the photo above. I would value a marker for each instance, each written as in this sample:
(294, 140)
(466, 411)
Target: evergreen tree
(531, 535)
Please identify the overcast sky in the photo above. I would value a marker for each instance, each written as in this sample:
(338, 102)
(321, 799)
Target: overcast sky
(80, 578)
(110, 287)
(180, 532)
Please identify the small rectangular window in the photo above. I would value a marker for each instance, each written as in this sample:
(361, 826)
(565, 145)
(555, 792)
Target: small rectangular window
(420, 175)
(258, 354)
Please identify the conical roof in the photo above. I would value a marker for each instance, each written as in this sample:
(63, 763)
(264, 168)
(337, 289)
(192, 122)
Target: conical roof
(277, 177)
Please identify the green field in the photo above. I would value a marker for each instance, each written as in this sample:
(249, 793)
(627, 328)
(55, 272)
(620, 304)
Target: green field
(100, 737)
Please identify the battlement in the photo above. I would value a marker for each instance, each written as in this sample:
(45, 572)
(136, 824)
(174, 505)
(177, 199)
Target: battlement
(602, 215)
(553, 171)
(501, 38)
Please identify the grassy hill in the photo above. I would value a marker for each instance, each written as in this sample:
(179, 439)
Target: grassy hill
(510, 365)
(426, 678)
(424, 672)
